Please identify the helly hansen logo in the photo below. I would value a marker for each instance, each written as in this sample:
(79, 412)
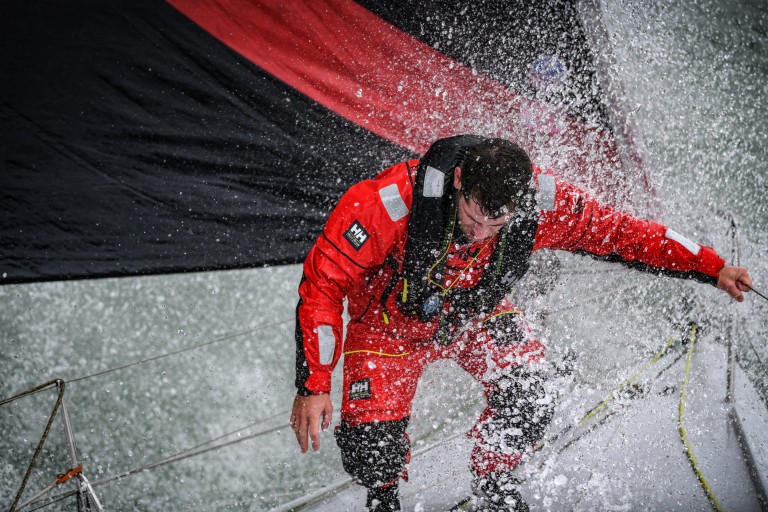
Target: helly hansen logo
(356, 235)
(360, 390)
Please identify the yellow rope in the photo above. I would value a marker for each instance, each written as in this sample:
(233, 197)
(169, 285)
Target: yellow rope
(684, 435)
(593, 412)
(376, 353)
(511, 312)
(599, 407)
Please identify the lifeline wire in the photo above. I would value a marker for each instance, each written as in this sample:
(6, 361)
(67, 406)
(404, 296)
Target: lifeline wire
(181, 351)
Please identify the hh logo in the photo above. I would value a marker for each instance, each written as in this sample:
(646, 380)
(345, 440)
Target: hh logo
(356, 235)
(360, 390)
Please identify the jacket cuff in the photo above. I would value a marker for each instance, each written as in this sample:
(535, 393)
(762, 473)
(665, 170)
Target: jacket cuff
(710, 263)
(317, 383)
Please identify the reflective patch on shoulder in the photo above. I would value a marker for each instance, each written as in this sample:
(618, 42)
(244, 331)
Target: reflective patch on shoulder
(393, 202)
(434, 182)
(327, 343)
(545, 199)
(692, 247)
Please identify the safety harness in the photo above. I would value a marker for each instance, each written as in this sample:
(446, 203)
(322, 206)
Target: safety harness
(430, 233)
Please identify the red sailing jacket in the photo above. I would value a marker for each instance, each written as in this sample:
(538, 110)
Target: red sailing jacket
(364, 240)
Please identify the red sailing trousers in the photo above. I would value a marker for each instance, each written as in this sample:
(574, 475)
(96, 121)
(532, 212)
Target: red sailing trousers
(380, 382)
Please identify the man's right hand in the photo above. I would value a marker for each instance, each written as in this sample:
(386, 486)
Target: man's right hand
(307, 413)
(734, 280)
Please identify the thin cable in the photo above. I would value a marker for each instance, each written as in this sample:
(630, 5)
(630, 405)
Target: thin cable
(752, 289)
(228, 337)
(629, 382)
(60, 384)
(258, 422)
(748, 340)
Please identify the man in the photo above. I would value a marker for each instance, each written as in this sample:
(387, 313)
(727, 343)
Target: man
(425, 255)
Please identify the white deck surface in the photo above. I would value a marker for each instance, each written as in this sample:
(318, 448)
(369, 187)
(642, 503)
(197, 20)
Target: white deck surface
(635, 460)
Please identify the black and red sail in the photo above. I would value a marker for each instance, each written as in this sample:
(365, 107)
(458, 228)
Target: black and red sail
(147, 136)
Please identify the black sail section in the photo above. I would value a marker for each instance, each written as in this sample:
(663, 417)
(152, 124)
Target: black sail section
(133, 142)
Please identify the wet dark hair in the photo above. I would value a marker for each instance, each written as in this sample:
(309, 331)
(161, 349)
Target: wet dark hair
(496, 173)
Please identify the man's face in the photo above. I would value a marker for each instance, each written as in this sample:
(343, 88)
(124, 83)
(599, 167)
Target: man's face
(474, 223)
(472, 220)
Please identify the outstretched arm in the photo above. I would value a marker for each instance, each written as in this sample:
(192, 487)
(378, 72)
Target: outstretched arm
(734, 280)
(578, 223)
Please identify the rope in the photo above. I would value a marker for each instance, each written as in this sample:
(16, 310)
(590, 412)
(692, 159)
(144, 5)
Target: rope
(628, 382)
(688, 448)
(228, 337)
(344, 482)
(60, 479)
(594, 411)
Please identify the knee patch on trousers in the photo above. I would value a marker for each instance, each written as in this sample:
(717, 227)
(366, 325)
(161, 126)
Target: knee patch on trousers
(522, 411)
(374, 454)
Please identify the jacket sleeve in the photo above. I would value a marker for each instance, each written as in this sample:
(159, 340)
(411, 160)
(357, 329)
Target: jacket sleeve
(368, 221)
(575, 222)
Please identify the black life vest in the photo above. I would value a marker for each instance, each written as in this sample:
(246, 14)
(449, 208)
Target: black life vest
(430, 229)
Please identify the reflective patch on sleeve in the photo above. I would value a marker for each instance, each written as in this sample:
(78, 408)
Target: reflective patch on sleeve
(545, 199)
(327, 343)
(393, 202)
(434, 182)
(692, 247)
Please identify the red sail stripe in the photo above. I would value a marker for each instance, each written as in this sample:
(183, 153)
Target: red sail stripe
(377, 76)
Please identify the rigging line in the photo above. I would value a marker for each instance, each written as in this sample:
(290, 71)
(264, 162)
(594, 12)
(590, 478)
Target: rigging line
(74, 472)
(258, 422)
(57, 499)
(344, 482)
(752, 346)
(752, 289)
(684, 436)
(577, 435)
(629, 382)
(227, 337)
(599, 407)
(550, 442)
(170, 459)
